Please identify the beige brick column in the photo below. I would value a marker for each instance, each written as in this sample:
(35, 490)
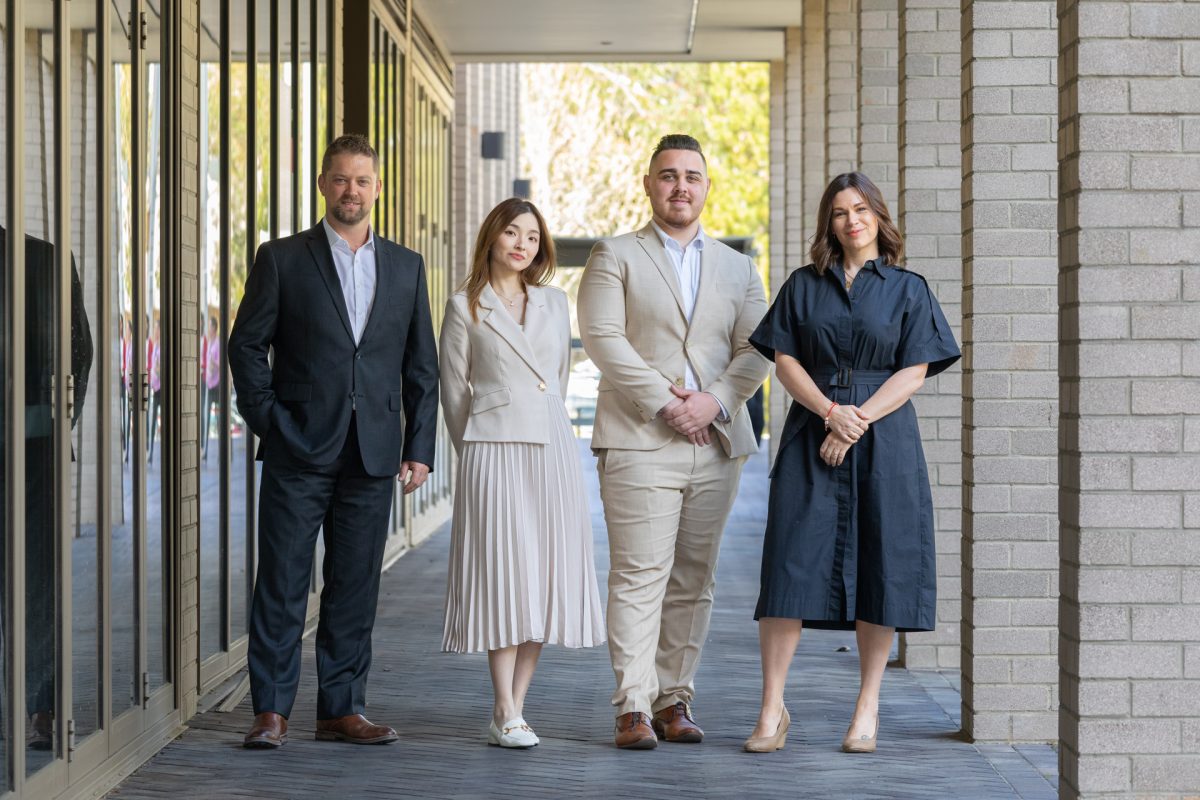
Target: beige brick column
(879, 94)
(928, 212)
(1129, 292)
(814, 174)
(1010, 371)
(841, 74)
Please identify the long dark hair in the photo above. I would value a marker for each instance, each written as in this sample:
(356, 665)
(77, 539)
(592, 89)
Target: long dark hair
(827, 250)
(539, 271)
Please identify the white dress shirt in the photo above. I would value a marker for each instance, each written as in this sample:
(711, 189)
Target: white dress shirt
(356, 273)
(686, 261)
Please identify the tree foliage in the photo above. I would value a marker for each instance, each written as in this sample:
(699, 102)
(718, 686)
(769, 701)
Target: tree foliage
(587, 131)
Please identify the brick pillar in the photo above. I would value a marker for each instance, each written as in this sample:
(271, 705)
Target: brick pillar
(1010, 371)
(814, 175)
(1129, 467)
(878, 94)
(928, 213)
(841, 72)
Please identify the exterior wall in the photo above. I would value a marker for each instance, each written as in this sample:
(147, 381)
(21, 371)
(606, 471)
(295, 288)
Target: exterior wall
(928, 212)
(842, 70)
(486, 98)
(879, 94)
(1129, 291)
(1010, 381)
(188, 347)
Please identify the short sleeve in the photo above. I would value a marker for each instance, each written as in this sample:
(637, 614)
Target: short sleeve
(925, 335)
(777, 333)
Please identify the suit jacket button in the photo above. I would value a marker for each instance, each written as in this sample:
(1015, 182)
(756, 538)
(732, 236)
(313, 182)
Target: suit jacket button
(541, 386)
(679, 381)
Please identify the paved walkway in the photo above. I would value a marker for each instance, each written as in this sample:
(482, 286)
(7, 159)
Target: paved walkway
(441, 704)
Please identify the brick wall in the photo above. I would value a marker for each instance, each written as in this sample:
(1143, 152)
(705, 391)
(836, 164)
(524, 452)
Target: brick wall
(1010, 381)
(841, 89)
(879, 94)
(486, 98)
(188, 348)
(928, 212)
(1129, 143)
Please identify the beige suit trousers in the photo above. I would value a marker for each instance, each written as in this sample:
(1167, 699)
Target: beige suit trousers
(665, 510)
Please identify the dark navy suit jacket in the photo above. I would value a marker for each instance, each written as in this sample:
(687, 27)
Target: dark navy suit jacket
(303, 402)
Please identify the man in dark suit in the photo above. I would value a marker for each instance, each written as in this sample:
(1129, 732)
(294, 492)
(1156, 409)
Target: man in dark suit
(349, 402)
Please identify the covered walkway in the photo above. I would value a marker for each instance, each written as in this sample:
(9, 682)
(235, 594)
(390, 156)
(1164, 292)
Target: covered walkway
(440, 704)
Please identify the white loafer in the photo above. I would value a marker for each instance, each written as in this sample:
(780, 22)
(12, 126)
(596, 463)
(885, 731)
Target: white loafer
(515, 733)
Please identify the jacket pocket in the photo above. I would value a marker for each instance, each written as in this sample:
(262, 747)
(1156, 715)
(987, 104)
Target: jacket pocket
(294, 392)
(493, 399)
(396, 401)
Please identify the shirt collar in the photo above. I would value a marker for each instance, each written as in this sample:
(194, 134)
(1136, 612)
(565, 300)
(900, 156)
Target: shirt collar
(875, 264)
(668, 242)
(335, 237)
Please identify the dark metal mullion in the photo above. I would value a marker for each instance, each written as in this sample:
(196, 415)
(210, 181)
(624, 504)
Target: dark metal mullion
(377, 123)
(251, 237)
(295, 118)
(223, 302)
(14, 318)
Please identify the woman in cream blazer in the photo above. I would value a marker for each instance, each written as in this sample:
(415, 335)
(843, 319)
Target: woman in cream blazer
(522, 571)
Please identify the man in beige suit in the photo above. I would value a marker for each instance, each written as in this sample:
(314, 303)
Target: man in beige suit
(666, 313)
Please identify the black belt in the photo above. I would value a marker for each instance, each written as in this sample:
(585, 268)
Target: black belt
(846, 377)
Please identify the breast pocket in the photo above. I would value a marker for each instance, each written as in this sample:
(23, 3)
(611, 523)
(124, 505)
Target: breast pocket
(489, 400)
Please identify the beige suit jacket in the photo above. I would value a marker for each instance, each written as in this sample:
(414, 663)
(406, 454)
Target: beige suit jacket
(494, 376)
(633, 326)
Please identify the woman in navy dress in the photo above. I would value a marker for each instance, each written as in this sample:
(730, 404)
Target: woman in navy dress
(849, 541)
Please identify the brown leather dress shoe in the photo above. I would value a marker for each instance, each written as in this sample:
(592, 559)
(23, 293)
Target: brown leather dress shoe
(355, 729)
(268, 732)
(675, 724)
(634, 732)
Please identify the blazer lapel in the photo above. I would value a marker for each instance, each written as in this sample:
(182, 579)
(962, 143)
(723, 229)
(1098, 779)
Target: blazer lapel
(648, 239)
(318, 245)
(385, 278)
(503, 324)
(708, 277)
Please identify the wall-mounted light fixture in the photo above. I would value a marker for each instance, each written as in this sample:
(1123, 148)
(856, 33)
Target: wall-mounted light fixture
(492, 144)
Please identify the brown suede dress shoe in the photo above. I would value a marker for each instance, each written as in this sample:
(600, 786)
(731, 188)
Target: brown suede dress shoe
(634, 732)
(268, 732)
(675, 724)
(355, 729)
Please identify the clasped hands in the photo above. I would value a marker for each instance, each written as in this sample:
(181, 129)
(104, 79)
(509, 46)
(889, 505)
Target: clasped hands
(690, 413)
(847, 424)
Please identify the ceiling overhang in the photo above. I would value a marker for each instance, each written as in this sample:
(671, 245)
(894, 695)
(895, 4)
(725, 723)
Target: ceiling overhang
(611, 30)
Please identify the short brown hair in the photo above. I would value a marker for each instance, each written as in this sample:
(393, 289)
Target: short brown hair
(826, 249)
(678, 141)
(539, 271)
(352, 143)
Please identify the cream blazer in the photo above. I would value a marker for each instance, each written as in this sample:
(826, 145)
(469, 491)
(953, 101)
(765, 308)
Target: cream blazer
(633, 327)
(494, 376)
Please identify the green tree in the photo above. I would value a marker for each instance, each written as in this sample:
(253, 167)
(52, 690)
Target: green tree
(587, 131)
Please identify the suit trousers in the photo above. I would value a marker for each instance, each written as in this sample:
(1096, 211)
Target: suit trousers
(352, 508)
(665, 510)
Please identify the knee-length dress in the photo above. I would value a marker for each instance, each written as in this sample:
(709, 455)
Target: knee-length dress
(521, 567)
(854, 541)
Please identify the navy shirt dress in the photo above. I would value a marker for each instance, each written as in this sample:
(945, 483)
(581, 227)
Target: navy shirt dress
(854, 541)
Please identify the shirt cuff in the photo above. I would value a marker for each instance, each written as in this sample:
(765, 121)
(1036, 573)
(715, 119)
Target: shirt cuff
(724, 415)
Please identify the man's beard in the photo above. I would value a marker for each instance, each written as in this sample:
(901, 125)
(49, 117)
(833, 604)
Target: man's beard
(348, 218)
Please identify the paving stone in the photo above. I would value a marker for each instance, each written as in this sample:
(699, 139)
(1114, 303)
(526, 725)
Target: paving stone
(440, 703)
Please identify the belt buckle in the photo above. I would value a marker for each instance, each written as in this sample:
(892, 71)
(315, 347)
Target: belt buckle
(843, 377)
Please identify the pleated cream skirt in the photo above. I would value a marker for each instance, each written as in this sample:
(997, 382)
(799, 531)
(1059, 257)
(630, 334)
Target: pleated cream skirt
(521, 561)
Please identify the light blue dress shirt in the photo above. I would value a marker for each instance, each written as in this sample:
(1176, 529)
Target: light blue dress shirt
(356, 273)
